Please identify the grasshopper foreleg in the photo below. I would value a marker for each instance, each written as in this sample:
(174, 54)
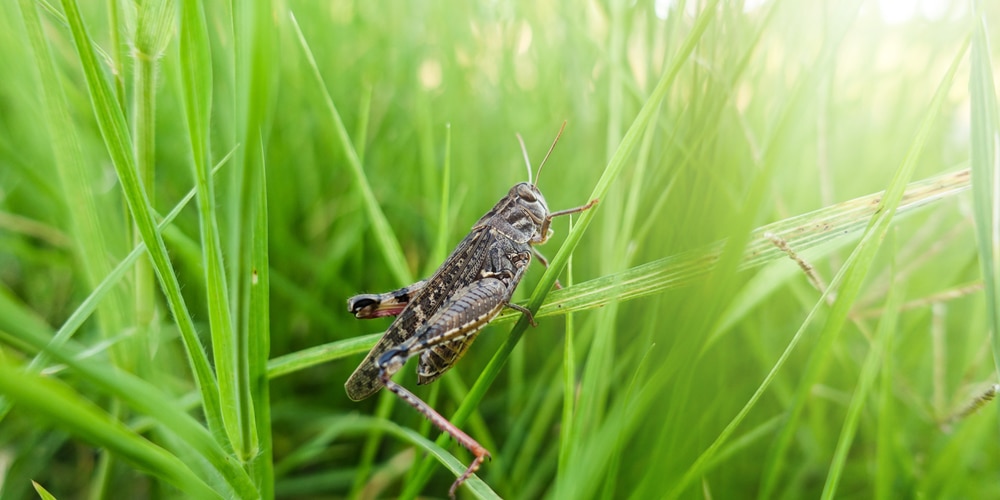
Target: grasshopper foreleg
(544, 233)
(545, 263)
(377, 305)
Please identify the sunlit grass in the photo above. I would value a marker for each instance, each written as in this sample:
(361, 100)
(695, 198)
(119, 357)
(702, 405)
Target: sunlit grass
(355, 143)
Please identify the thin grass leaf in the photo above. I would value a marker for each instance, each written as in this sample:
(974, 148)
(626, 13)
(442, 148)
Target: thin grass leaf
(825, 229)
(142, 397)
(361, 424)
(154, 28)
(90, 304)
(985, 160)
(886, 471)
(866, 380)
(196, 78)
(853, 274)
(90, 239)
(392, 252)
(112, 124)
(259, 330)
(567, 431)
(56, 402)
(440, 250)
(255, 36)
(42, 492)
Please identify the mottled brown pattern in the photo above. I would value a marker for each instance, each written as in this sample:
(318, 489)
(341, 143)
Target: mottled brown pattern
(459, 270)
(440, 317)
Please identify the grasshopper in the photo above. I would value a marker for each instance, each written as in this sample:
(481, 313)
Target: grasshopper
(438, 318)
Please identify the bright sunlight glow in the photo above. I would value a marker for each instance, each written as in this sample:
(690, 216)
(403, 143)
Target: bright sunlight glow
(891, 11)
(901, 11)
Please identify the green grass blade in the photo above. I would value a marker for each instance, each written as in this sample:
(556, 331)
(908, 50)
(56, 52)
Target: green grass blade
(567, 431)
(54, 401)
(853, 275)
(255, 35)
(42, 492)
(474, 485)
(869, 371)
(196, 78)
(142, 397)
(985, 159)
(154, 28)
(300, 360)
(91, 303)
(392, 252)
(259, 329)
(440, 251)
(824, 229)
(112, 125)
(77, 184)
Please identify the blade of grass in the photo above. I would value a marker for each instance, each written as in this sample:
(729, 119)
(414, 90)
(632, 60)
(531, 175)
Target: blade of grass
(300, 360)
(985, 159)
(392, 252)
(440, 250)
(42, 492)
(99, 294)
(826, 228)
(76, 187)
(142, 397)
(56, 402)
(153, 30)
(262, 464)
(116, 137)
(254, 32)
(886, 471)
(196, 80)
(854, 273)
(566, 427)
(873, 361)
(368, 424)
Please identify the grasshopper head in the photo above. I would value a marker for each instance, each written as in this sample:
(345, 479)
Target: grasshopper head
(530, 199)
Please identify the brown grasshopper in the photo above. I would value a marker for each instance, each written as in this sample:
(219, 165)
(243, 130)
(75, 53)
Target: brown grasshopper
(439, 318)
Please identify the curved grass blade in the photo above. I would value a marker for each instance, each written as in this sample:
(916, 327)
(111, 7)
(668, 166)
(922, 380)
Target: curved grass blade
(142, 397)
(869, 371)
(985, 157)
(56, 402)
(116, 137)
(384, 236)
(827, 227)
(90, 304)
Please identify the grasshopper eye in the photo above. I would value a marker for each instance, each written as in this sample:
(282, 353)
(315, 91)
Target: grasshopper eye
(524, 192)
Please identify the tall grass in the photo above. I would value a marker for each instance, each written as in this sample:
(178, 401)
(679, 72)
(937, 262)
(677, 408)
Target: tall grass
(154, 347)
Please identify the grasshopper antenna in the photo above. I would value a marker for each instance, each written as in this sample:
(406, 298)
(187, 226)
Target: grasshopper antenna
(527, 162)
(553, 146)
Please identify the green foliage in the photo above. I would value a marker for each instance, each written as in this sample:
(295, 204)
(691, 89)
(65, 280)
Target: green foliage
(154, 347)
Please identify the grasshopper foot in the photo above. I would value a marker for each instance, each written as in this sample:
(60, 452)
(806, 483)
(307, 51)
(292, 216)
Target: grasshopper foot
(525, 311)
(481, 454)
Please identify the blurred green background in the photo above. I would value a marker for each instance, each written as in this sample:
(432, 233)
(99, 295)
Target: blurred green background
(361, 140)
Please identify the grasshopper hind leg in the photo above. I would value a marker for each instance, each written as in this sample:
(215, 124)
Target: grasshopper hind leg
(442, 423)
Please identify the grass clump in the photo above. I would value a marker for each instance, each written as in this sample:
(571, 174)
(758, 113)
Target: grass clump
(344, 147)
